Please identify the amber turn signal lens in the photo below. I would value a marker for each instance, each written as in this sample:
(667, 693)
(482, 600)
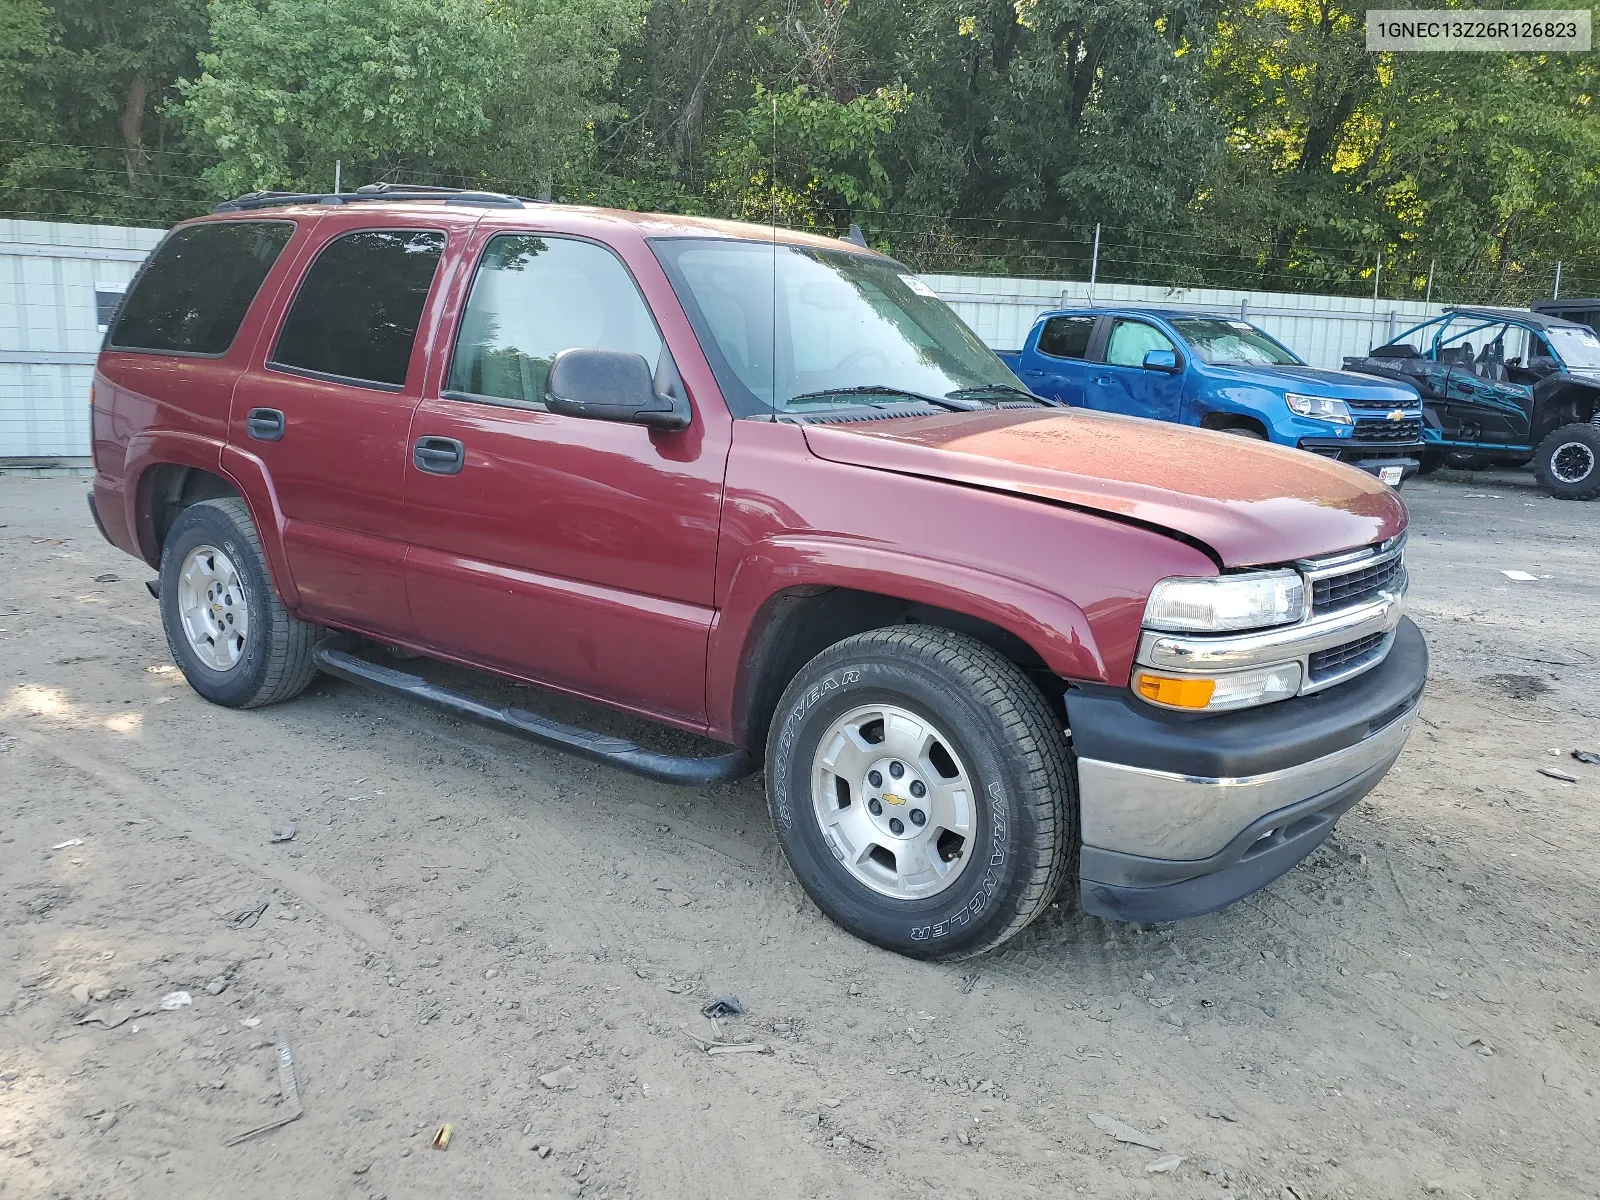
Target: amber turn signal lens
(1179, 693)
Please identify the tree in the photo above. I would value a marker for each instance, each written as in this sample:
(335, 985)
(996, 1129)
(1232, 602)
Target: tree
(469, 91)
(86, 96)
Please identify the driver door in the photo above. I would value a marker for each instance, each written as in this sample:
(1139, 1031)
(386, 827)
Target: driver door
(1121, 383)
(575, 552)
(1482, 403)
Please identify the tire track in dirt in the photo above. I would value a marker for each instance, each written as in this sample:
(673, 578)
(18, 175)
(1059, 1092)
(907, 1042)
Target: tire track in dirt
(317, 894)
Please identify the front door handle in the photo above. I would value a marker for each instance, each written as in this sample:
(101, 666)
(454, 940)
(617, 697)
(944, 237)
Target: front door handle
(265, 424)
(439, 455)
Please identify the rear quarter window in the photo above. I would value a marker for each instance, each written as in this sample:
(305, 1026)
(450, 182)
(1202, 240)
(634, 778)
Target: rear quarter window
(192, 294)
(1066, 337)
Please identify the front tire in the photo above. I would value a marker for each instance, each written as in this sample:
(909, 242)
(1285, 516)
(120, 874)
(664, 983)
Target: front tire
(228, 632)
(983, 760)
(1567, 462)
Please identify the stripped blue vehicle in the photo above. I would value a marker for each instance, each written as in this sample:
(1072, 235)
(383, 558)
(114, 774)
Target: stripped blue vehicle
(1219, 372)
(1504, 387)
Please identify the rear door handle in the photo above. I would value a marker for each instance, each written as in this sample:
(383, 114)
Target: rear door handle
(265, 424)
(439, 455)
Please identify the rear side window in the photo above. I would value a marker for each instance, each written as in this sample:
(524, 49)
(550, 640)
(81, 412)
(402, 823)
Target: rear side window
(356, 313)
(193, 293)
(1066, 337)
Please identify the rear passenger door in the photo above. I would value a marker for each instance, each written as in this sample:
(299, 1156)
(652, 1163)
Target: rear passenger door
(1060, 369)
(575, 552)
(326, 407)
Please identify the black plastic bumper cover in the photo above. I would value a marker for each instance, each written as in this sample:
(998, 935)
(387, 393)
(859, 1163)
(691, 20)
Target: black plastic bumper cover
(1110, 724)
(94, 511)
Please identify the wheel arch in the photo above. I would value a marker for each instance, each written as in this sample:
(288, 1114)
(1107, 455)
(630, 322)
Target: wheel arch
(774, 623)
(1220, 420)
(1572, 403)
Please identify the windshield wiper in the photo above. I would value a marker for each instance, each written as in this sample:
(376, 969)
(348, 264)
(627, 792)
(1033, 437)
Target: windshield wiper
(879, 389)
(988, 389)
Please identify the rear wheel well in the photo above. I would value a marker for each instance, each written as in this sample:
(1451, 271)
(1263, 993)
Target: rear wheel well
(1572, 405)
(165, 490)
(1222, 420)
(798, 624)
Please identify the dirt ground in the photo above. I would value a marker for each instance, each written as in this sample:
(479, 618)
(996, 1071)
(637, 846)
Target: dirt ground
(1412, 1011)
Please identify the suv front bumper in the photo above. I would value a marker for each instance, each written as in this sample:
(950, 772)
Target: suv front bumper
(1183, 814)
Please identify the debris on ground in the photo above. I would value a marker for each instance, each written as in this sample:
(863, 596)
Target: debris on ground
(173, 1001)
(441, 1139)
(67, 844)
(1555, 774)
(713, 1046)
(283, 835)
(246, 918)
(1217, 1114)
(1592, 757)
(108, 578)
(722, 1006)
(1520, 576)
(288, 1091)
(1124, 1132)
(970, 982)
(80, 995)
(1165, 1166)
(562, 1079)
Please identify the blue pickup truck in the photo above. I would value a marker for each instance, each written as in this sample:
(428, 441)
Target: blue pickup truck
(1218, 372)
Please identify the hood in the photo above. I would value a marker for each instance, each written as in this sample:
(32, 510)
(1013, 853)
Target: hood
(1315, 381)
(1251, 502)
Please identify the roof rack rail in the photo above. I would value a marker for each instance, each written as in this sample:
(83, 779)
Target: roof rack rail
(374, 191)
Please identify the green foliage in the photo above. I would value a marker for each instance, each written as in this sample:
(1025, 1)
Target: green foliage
(805, 159)
(1232, 142)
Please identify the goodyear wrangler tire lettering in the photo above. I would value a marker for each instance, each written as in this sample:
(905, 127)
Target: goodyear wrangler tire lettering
(998, 735)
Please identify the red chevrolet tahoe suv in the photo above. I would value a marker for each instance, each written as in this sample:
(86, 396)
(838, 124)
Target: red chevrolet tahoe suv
(766, 487)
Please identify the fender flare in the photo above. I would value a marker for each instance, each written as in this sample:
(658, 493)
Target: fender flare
(1051, 625)
(244, 472)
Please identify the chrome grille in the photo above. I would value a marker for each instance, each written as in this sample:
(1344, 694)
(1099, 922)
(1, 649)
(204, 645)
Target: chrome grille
(1346, 658)
(1355, 586)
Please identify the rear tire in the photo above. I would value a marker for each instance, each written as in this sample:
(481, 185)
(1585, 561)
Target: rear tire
(1567, 462)
(977, 728)
(228, 632)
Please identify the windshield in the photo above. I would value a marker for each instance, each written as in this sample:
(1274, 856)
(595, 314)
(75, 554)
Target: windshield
(1578, 348)
(1222, 342)
(831, 323)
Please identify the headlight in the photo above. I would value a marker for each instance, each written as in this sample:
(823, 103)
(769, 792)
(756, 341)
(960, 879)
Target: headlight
(1220, 692)
(1319, 408)
(1226, 603)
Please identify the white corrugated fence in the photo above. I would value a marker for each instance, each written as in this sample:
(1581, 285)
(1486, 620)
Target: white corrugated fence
(50, 328)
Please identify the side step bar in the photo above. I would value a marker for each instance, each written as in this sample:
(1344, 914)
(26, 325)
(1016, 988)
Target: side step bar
(614, 751)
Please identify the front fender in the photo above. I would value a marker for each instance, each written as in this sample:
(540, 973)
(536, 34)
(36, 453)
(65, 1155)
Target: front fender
(1052, 626)
(1245, 400)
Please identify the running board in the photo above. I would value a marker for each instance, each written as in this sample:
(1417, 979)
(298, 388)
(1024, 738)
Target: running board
(614, 751)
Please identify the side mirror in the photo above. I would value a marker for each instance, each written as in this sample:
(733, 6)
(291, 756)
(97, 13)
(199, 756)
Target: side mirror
(1161, 360)
(611, 385)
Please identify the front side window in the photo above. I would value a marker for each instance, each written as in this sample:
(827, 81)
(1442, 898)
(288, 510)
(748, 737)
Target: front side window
(357, 311)
(1130, 341)
(1066, 337)
(1220, 341)
(799, 329)
(535, 296)
(192, 295)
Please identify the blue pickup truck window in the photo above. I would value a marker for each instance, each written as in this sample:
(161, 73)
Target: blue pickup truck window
(1223, 342)
(1132, 340)
(1066, 337)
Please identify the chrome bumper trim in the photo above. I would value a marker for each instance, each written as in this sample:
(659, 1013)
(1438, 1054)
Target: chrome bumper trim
(1159, 814)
